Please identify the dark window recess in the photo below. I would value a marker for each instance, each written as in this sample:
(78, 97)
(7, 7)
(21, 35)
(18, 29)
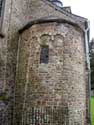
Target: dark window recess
(1, 3)
(44, 54)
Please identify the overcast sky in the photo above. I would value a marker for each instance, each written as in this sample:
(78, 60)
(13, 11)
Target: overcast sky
(83, 8)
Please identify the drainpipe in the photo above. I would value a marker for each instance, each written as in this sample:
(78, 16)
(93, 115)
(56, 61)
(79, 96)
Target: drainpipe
(88, 67)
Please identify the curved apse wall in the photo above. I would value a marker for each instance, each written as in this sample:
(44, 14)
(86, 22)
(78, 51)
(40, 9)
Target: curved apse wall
(51, 90)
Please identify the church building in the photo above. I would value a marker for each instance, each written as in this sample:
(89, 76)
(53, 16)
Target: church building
(44, 64)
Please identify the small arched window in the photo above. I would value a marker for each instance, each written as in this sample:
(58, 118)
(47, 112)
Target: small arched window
(44, 54)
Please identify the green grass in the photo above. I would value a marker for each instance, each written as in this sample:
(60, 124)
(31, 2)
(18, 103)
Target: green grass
(92, 110)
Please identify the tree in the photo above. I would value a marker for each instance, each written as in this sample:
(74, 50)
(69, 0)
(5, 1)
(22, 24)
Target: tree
(92, 62)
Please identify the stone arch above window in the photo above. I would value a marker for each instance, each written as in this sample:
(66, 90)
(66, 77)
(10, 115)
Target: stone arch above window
(58, 40)
(45, 38)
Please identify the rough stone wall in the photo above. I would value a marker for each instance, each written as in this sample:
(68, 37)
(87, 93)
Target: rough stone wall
(46, 91)
(8, 50)
(17, 13)
(43, 9)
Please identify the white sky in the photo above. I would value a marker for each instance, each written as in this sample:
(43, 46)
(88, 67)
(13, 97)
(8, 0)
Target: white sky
(83, 8)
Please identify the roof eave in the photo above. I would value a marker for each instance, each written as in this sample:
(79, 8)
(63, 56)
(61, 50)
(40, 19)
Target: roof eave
(42, 20)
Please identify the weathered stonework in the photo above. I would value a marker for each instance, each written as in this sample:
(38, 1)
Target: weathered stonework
(61, 82)
(24, 82)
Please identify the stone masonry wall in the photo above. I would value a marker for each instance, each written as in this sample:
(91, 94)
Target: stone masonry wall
(46, 91)
(8, 54)
(18, 13)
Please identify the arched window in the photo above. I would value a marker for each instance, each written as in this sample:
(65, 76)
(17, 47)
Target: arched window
(44, 54)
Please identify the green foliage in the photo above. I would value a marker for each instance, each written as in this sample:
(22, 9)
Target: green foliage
(92, 111)
(91, 47)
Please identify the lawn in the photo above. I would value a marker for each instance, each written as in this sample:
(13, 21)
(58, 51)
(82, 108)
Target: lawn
(92, 111)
